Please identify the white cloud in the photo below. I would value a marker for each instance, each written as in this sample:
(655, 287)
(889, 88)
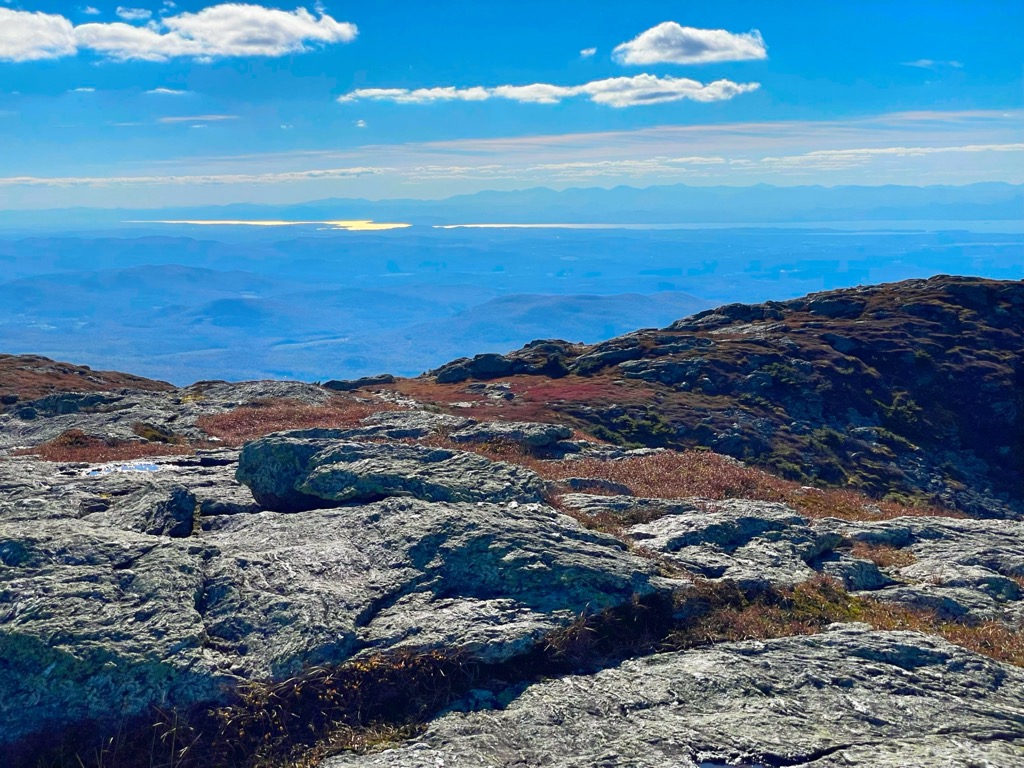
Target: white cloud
(225, 30)
(932, 64)
(360, 123)
(670, 43)
(82, 90)
(198, 118)
(133, 14)
(586, 53)
(613, 92)
(26, 36)
(166, 92)
(90, 11)
(417, 96)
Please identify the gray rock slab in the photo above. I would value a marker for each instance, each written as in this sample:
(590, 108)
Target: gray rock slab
(95, 621)
(290, 589)
(844, 697)
(114, 414)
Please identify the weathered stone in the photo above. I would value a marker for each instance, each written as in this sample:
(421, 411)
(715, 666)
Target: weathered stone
(348, 385)
(531, 436)
(844, 697)
(117, 415)
(96, 623)
(960, 568)
(402, 425)
(290, 472)
(171, 512)
(752, 543)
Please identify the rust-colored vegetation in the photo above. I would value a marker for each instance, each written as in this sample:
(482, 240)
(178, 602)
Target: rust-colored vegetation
(883, 556)
(705, 475)
(76, 446)
(252, 421)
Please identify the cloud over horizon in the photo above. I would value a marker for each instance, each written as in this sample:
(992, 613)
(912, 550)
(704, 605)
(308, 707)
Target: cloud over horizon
(219, 31)
(671, 43)
(613, 92)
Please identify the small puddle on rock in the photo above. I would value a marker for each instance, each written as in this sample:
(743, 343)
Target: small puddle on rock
(133, 467)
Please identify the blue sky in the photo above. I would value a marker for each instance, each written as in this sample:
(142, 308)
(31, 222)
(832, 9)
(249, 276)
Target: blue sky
(147, 103)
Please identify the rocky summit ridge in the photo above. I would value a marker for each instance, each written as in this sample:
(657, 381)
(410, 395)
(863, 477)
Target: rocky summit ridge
(789, 534)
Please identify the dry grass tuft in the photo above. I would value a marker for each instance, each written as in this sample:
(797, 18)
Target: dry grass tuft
(989, 638)
(721, 611)
(729, 614)
(883, 556)
(257, 419)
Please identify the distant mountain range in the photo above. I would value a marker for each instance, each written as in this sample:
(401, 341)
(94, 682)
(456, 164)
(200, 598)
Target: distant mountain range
(664, 205)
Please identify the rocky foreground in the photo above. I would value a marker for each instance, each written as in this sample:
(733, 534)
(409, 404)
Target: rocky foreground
(188, 579)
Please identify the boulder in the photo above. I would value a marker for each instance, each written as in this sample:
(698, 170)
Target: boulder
(291, 472)
(348, 385)
(158, 512)
(965, 569)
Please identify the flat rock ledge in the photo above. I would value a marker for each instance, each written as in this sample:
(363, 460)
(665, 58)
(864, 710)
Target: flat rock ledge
(846, 697)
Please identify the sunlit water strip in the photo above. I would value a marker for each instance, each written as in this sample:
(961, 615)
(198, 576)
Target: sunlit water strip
(348, 226)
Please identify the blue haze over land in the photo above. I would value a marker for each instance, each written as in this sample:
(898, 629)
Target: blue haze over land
(187, 302)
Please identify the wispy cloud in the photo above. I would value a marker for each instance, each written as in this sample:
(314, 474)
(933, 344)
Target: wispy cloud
(613, 92)
(904, 148)
(840, 159)
(82, 90)
(234, 178)
(90, 11)
(586, 53)
(219, 31)
(197, 118)
(932, 64)
(166, 92)
(670, 43)
(134, 14)
(360, 123)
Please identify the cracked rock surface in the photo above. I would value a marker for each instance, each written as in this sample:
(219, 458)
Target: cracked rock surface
(845, 697)
(968, 570)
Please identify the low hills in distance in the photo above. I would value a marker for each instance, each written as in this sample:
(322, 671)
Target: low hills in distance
(761, 204)
(316, 305)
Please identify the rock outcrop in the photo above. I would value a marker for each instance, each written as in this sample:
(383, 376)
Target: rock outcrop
(861, 387)
(164, 582)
